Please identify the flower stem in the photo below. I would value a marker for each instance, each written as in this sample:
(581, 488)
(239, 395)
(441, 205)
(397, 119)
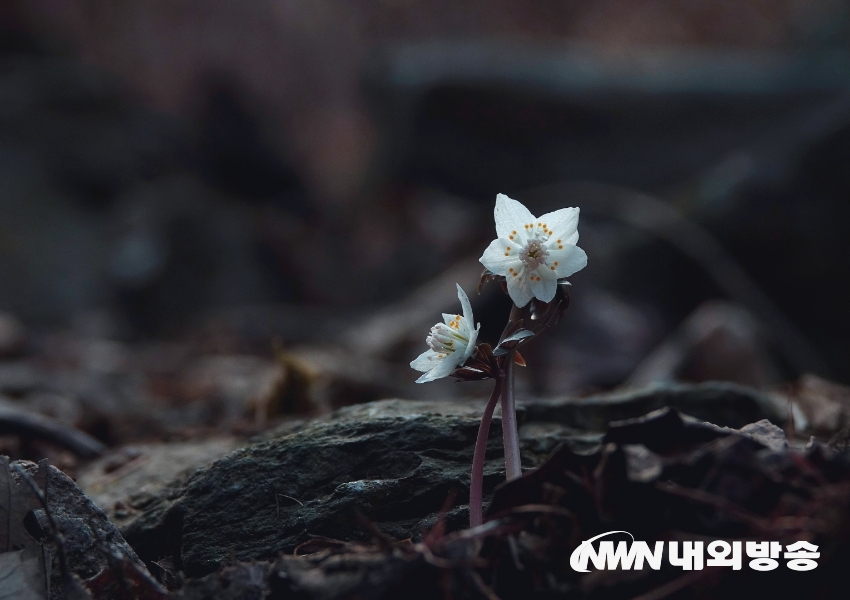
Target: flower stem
(510, 434)
(476, 484)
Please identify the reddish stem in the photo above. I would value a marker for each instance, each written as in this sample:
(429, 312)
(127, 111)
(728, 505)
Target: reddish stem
(510, 433)
(476, 484)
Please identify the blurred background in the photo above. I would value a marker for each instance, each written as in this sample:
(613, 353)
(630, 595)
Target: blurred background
(217, 213)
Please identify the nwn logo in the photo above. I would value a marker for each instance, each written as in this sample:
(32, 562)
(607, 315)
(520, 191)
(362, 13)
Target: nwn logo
(609, 558)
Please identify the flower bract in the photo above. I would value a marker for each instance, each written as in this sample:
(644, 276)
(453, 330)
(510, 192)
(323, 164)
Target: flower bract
(450, 343)
(533, 253)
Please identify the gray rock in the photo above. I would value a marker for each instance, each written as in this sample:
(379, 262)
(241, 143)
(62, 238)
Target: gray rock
(88, 535)
(145, 469)
(393, 462)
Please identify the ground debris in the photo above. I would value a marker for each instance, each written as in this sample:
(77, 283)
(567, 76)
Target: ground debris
(57, 544)
(667, 477)
(342, 506)
(123, 579)
(354, 504)
(664, 476)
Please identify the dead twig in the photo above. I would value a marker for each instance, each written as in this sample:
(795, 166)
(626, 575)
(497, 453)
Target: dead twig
(534, 509)
(16, 421)
(291, 498)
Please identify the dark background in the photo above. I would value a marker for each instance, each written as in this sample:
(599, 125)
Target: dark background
(239, 175)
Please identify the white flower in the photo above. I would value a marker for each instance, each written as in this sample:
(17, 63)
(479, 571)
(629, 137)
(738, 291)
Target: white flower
(532, 253)
(451, 343)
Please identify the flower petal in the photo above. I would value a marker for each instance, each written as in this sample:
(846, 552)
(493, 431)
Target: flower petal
(563, 224)
(494, 257)
(464, 302)
(510, 216)
(544, 289)
(443, 369)
(470, 347)
(425, 361)
(519, 288)
(570, 259)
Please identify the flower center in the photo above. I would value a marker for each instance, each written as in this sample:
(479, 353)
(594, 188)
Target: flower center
(534, 254)
(444, 338)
